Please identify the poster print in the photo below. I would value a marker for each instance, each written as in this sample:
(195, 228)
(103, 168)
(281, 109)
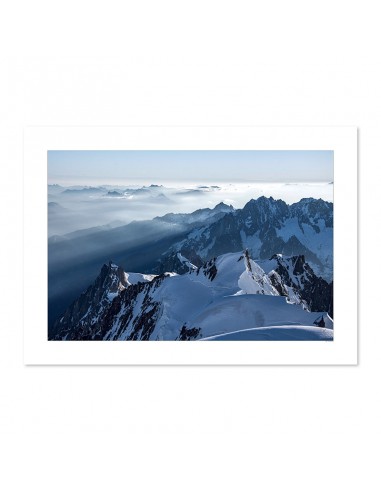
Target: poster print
(190, 245)
(228, 246)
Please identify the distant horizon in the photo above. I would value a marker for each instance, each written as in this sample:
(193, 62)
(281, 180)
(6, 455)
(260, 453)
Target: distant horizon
(96, 167)
(67, 182)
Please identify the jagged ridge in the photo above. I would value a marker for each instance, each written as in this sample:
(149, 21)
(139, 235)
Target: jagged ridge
(265, 227)
(189, 306)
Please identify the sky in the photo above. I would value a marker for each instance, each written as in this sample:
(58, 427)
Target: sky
(110, 167)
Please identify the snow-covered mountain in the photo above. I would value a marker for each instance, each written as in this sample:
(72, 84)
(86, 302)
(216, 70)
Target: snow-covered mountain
(266, 227)
(300, 281)
(227, 294)
(203, 215)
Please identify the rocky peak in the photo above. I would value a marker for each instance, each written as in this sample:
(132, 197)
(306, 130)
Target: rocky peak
(296, 273)
(84, 313)
(264, 210)
(112, 278)
(175, 262)
(223, 207)
(312, 211)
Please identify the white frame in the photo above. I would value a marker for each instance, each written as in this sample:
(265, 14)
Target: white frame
(342, 140)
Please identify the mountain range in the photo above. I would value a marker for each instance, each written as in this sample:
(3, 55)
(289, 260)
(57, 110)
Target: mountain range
(300, 233)
(230, 296)
(265, 227)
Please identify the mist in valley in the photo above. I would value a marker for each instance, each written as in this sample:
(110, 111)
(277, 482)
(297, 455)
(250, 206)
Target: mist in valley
(80, 207)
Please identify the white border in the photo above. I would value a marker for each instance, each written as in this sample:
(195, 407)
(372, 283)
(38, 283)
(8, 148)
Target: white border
(342, 140)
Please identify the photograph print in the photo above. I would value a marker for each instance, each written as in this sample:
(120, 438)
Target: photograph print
(190, 245)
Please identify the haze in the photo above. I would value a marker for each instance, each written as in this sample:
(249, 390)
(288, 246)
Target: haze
(123, 167)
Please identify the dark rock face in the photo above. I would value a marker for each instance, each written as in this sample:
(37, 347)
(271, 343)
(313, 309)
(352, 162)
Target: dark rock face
(320, 322)
(296, 273)
(187, 334)
(83, 317)
(172, 263)
(138, 326)
(276, 281)
(209, 269)
(247, 258)
(226, 234)
(132, 312)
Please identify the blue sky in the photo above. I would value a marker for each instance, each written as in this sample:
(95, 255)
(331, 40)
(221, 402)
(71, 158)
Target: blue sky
(67, 167)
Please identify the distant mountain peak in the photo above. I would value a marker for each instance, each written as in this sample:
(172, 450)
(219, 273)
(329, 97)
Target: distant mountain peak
(223, 207)
(264, 201)
(114, 193)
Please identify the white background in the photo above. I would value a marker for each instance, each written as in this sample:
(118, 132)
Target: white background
(189, 428)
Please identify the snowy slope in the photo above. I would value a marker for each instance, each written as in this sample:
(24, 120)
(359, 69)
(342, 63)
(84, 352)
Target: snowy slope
(276, 333)
(234, 313)
(227, 294)
(134, 278)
